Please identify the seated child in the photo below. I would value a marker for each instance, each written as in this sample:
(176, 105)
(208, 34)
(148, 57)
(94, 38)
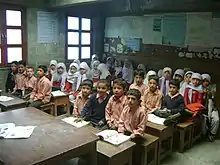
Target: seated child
(72, 77)
(94, 110)
(10, 82)
(141, 67)
(179, 75)
(139, 81)
(95, 73)
(152, 98)
(83, 97)
(133, 122)
(19, 80)
(164, 80)
(149, 73)
(42, 92)
(117, 70)
(59, 78)
(187, 81)
(128, 71)
(194, 92)
(116, 104)
(83, 74)
(104, 72)
(52, 69)
(29, 82)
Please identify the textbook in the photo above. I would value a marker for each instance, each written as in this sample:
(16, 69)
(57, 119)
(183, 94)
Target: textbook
(10, 131)
(76, 122)
(5, 98)
(58, 93)
(155, 119)
(113, 137)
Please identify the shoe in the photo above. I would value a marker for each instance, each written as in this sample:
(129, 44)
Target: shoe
(172, 119)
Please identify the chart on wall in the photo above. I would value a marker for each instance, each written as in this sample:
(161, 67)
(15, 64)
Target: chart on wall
(122, 45)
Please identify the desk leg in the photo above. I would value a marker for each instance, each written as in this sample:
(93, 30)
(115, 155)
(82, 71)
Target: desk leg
(55, 109)
(93, 155)
(68, 109)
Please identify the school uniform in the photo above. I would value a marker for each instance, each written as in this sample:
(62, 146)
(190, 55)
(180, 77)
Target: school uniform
(79, 104)
(142, 88)
(51, 73)
(174, 103)
(149, 73)
(152, 101)
(10, 82)
(94, 110)
(19, 83)
(82, 77)
(113, 110)
(164, 83)
(59, 80)
(41, 93)
(128, 72)
(29, 84)
(193, 95)
(95, 73)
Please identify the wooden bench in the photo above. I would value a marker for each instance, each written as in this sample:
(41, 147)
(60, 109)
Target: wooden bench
(165, 134)
(184, 132)
(49, 106)
(196, 130)
(149, 154)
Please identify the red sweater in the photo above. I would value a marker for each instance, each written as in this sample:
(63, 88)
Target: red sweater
(197, 97)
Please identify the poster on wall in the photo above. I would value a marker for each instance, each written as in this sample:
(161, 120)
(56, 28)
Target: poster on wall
(157, 24)
(122, 45)
(198, 31)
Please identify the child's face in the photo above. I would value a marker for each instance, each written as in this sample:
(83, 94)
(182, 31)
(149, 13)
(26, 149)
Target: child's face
(60, 70)
(73, 69)
(188, 78)
(21, 68)
(178, 77)
(205, 83)
(102, 89)
(173, 89)
(195, 82)
(40, 72)
(86, 90)
(52, 67)
(167, 74)
(14, 67)
(82, 71)
(118, 90)
(95, 66)
(127, 64)
(30, 72)
(139, 80)
(132, 101)
(152, 85)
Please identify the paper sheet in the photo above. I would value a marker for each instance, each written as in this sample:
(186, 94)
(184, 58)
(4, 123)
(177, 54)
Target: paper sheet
(5, 98)
(58, 93)
(155, 119)
(72, 121)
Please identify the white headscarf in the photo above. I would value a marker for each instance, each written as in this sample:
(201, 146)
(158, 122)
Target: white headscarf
(206, 77)
(61, 77)
(184, 84)
(149, 73)
(163, 82)
(179, 72)
(118, 69)
(104, 71)
(128, 73)
(71, 76)
(142, 66)
(76, 61)
(94, 58)
(53, 62)
(160, 73)
(167, 69)
(96, 62)
(83, 77)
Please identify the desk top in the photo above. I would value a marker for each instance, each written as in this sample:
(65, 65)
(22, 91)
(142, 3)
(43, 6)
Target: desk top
(156, 126)
(14, 102)
(108, 149)
(50, 139)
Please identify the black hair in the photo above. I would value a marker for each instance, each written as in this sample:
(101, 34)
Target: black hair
(120, 82)
(14, 62)
(104, 81)
(22, 63)
(139, 72)
(156, 78)
(134, 92)
(30, 67)
(88, 83)
(175, 83)
(43, 67)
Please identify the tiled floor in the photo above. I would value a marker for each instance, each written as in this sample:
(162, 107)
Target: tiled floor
(204, 153)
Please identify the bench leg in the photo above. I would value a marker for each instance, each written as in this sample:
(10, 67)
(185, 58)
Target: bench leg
(182, 141)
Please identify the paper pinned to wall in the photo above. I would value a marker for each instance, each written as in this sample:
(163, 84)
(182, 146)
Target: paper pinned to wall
(47, 27)
(198, 31)
(174, 29)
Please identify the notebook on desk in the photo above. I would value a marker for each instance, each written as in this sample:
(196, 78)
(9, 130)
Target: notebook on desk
(113, 137)
(76, 122)
(58, 93)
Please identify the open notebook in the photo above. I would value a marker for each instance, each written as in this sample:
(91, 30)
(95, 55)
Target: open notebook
(155, 119)
(113, 137)
(58, 93)
(76, 122)
(10, 131)
(5, 98)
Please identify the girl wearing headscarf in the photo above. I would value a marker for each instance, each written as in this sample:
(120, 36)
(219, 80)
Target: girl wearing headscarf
(142, 67)
(149, 73)
(59, 79)
(117, 69)
(76, 61)
(94, 58)
(187, 80)
(52, 69)
(109, 64)
(72, 78)
(83, 74)
(160, 73)
(164, 80)
(104, 72)
(95, 72)
(128, 71)
(179, 75)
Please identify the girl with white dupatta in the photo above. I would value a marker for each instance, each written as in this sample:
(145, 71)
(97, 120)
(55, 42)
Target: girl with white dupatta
(95, 72)
(128, 72)
(164, 80)
(117, 69)
(52, 70)
(186, 82)
(105, 74)
(83, 74)
(149, 73)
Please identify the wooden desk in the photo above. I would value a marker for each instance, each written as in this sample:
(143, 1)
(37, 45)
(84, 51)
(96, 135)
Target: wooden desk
(12, 104)
(165, 134)
(109, 154)
(52, 141)
(61, 100)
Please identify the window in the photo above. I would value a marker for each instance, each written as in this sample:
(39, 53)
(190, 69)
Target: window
(78, 38)
(12, 33)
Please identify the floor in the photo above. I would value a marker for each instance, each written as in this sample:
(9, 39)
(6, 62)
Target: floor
(203, 153)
